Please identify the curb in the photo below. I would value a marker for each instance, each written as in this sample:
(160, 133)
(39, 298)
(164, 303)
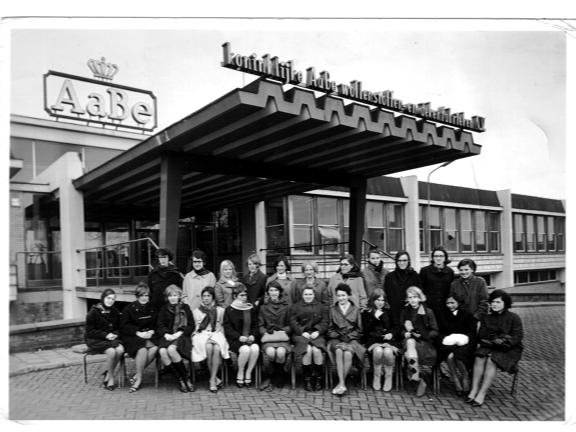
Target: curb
(28, 369)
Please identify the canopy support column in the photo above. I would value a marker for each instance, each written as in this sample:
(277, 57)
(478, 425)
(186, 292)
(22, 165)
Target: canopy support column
(356, 217)
(170, 195)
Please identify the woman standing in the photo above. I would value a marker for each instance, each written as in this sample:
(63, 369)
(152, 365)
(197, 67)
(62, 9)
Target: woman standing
(102, 329)
(458, 336)
(379, 338)
(500, 347)
(255, 280)
(175, 325)
(420, 332)
(274, 328)
(374, 272)
(284, 278)
(164, 274)
(208, 341)
(471, 289)
(197, 279)
(310, 269)
(309, 323)
(344, 333)
(241, 329)
(349, 274)
(137, 327)
(397, 282)
(436, 279)
(226, 283)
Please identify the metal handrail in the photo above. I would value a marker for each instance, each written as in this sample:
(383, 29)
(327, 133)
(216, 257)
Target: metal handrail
(116, 244)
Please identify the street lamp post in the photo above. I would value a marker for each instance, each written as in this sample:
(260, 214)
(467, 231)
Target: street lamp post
(429, 235)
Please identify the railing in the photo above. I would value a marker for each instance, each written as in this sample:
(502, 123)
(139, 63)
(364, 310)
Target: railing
(118, 263)
(42, 268)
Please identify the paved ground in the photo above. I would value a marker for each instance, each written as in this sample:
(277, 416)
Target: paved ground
(59, 393)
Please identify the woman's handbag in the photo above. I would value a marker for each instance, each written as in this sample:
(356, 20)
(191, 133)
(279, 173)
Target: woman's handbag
(276, 336)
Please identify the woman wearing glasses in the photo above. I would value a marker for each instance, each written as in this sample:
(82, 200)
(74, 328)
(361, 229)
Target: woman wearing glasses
(397, 282)
(196, 280)
(349, 274)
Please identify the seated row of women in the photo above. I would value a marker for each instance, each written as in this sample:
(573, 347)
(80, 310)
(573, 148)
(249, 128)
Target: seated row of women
(310, 329)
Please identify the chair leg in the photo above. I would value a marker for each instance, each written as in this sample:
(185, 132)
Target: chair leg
(156, 372)
(121, 371)
(85, 371)
(514, 384)
(293, 373)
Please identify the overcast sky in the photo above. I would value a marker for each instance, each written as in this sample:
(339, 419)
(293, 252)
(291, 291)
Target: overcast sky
(513, 76)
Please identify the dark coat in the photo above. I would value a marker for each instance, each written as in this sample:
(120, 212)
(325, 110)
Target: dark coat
(474, 292)
(137, 317)
(101, 321)
(373, 278)
(165, 325)
(308, 317)
(507, 327)
(287, 285)
(395, 284)
(274, 316)
(426, 325)
(436, 286)
(256, 286)
(233, 324)
(346, 328)
(462, 323)
(320, 288)
(159, 279)
(374, 328)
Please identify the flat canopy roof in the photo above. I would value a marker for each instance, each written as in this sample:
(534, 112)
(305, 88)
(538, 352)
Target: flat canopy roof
(262, 141)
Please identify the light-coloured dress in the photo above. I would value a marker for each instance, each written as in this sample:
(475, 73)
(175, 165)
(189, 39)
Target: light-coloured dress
(199, 339)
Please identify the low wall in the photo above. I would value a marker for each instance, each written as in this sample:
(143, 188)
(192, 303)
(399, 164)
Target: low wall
(46, 335)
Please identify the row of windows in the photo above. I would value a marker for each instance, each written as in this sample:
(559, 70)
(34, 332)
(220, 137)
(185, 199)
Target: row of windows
(459, 230)
(521, 277)
(536, 233)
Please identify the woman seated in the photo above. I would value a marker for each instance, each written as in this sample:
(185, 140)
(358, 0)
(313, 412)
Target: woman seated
(344, 333)
(420, 331)
(309, 322)
(274, 334)
(500, 345)
(379, 338)
(208, 340)
(241, 330)
(137, 328)
(102, 329)
(457, 342)
(175, 325)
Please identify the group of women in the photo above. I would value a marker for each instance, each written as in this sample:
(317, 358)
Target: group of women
(421, 318)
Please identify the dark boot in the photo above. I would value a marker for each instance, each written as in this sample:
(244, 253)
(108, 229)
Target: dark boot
(307, 374)
(317, 380)
(175, 370)
(185, 376)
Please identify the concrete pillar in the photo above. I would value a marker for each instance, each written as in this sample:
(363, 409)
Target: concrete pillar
(411, 219)
(170, 194)
(59, 176)
(506, 278)
(260, 222)
(357, 211)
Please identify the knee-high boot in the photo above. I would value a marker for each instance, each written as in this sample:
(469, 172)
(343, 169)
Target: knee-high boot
(173, 369)
(181, 369)
(307, 374)
(317, 374)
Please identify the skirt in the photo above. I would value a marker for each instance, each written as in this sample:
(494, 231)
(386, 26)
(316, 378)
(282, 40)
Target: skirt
(199, 341)
(101, 345)
(285, 345)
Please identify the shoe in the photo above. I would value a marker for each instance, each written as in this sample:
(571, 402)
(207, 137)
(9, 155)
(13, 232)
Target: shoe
(182, 386)
(421, 390)
(132, 380)
(239, 383)
(189, 385)
(469, 400)
(265, 384)
(134, 388)
(248, 382)
(460, 393)
(110, 387)
(104, 379)
(476, 404)
(339, 390)
(219, 383)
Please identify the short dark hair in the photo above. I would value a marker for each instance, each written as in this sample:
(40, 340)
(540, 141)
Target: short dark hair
(284, 260)
(373, 249)
(343, 287)
(275, 284)
(468, 262)
(500, 293)
(164, 252)
(106, 293)
(198, 254)
(141, 289)
(239, 288)
(440, 249)
(459, 298)
(399, 254)
(209, 290)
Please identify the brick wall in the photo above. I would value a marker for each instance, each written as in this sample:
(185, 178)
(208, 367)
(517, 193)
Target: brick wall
(48, 335)
(26, 313)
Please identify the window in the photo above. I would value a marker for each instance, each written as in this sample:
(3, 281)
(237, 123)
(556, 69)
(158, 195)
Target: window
(466, 230)
(530, 234)
(550, 235)
(421, 225)
(494, 231)
(375, 230)
(519, 238)
(480, 229)
(560, 230)
(395, 225)
(541, 233)
(435, 228)
(328, 226)
(302, 223)
(450, 230)
(532, 276)
(275, 234)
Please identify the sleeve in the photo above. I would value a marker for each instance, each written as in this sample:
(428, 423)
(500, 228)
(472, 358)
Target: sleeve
(324, 295)
(432, 331)
(92, 330)
(187, 289)
(362, 299)
(189, 329)
(294, 291)
(333, 330)
(262, 321)
(416, 280)
(400, 326)
(322, 325)
(229, 329)
(297, 329)
(127, 326)
(163, 322)
(482, 308)
(285, 325)
(218, 294)
(254, 323)
(516, 332)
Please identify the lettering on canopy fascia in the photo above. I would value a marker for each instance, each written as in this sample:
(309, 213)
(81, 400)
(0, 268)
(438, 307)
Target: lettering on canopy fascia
(272, 67)
(98, 100)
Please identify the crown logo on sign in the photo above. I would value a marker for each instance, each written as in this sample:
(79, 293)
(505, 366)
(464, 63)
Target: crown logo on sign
(103, 70)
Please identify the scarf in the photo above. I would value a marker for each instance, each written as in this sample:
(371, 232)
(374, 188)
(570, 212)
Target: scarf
(210, 314)
(180, 318)
(201, 272)
(353, 273)
(377, 268)
(246, 315)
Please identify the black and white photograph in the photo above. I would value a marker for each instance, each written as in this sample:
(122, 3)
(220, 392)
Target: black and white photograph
(268, 218)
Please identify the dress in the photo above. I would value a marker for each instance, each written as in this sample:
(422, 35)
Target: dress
(208, 331)
(461, 322)
(274, 316)
(356, 284)
(373, 277)
(194, 284)
(424, 323)
(345, 332)
(166, 319)
(374, 328)
(287, 285)
(234, 325)
(320, 290)
(255, 285)
(505, 326)
(395, 284)
(159, 279)
(137, 317)
(474, 292)
(223, 293)
(100, 321)
(436, 286)
(308, 317)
